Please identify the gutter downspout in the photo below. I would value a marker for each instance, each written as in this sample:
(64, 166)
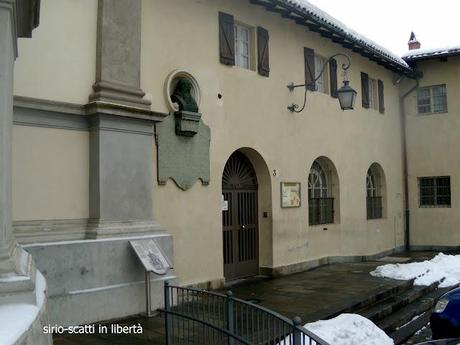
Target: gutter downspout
(405, 170)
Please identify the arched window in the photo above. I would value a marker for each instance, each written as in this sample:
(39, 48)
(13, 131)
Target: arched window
(317, 182)
(320, 200)
(374, 200)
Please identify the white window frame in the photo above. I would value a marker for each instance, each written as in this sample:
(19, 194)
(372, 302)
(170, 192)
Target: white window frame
(373, 98)
(431, 99)
(241, 59)
(322, 84)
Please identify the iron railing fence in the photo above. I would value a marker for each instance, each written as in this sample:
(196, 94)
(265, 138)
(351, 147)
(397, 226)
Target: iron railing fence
(194, 316)
(374, 207)
(320, 211)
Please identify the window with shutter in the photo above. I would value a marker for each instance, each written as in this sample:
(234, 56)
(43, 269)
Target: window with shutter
(242, 47)
(263, 62)
(309, 58)
(372, 93)
(321, 83)
(381, 97)
(365, 90)
(333, 77)
(226, 39)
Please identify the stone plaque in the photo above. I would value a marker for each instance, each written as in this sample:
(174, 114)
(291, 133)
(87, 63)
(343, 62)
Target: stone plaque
(151, 256)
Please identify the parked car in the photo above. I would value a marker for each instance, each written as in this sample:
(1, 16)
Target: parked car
(445, 319)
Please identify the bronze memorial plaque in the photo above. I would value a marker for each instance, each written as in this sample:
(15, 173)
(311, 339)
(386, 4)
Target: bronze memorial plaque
(151, 256)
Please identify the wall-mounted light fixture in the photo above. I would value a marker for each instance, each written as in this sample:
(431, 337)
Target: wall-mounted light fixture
(346, 94)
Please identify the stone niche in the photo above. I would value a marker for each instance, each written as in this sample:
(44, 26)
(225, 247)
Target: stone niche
(183, 139)
(183, 95)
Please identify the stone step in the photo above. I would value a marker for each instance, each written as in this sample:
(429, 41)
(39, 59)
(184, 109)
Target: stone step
(394, 303)
(374, 298)
(404, 331)
(404, 316)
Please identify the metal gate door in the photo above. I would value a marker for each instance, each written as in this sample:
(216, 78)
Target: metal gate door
(240, 229)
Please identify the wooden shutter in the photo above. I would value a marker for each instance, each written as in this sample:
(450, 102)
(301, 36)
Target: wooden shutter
(365, 89)
(309, 57)
(381, 97)
(263, 62)
(226, 39)
(333, 77)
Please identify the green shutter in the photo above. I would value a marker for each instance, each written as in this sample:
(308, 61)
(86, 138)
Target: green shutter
(365, 90)
(226, 39)
(309, 59)
(263, 61)
(333, 77)
(381, 97)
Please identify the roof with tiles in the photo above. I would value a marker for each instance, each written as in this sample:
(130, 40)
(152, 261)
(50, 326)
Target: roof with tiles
(317, 20)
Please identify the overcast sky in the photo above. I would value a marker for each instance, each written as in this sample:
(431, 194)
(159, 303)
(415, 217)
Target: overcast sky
(436, 23)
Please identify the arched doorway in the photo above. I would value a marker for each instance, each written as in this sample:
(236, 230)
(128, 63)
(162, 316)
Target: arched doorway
(240, 218)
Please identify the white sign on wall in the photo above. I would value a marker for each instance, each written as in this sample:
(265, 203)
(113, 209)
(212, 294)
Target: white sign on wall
(224, 204)
(151, 256)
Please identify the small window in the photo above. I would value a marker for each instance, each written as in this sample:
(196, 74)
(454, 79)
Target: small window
(435, 191)
(374, 198)
(242, 46)
(320, 202)
(373, 103)
(432, 99)
(372, 95)
(321, 83)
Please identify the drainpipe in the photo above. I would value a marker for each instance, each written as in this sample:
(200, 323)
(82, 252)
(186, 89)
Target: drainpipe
(404, 154)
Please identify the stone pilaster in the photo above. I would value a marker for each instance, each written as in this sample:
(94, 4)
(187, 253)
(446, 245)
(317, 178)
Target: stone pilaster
(17, 270)
(119, 54)
(121, 128)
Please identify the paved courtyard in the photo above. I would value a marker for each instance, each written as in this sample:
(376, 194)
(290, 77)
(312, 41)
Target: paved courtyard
(316, 294)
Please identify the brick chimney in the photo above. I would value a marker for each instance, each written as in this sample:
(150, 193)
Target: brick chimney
(413, 42)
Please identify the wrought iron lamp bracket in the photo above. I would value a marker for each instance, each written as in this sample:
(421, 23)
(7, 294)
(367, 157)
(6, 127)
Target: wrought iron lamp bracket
(291, 86)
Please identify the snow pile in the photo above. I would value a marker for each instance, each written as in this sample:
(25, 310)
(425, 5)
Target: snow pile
(347, 329)
(442, 268)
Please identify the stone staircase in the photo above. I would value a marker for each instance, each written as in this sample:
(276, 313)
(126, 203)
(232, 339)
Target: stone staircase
(400, 311)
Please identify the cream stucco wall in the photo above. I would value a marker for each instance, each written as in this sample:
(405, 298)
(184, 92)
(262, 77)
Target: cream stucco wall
(433, 142)
(59, 63)
(252, 113)
(50, 174)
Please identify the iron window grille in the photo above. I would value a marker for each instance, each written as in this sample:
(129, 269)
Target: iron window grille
(374, 207)
(320, 211)
(435, 191)
(432, 99)
(374, 200)
(320, 204)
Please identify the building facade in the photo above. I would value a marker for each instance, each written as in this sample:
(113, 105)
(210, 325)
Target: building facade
(106, 149)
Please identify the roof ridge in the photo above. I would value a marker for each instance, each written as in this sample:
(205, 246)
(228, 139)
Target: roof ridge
(322, 15)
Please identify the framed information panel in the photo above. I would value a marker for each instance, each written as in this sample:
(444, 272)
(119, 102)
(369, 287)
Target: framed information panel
(290, 194)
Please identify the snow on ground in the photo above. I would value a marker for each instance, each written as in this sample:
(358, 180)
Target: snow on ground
(347, 329)
(443, 268)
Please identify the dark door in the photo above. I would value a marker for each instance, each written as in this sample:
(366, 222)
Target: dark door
(240, 229)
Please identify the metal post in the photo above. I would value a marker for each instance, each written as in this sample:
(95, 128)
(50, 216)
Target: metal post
(148, 295)
(296, 332)
(230, 321)
(168, 330)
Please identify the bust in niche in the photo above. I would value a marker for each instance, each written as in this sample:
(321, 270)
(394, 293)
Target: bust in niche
(182, 96)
